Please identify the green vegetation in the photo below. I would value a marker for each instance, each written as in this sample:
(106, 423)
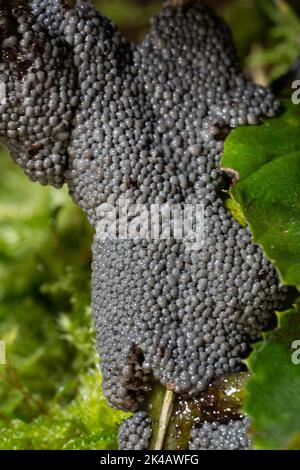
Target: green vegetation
(50, 388)
(266, 162)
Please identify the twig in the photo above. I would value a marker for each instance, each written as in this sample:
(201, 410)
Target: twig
(165, 416)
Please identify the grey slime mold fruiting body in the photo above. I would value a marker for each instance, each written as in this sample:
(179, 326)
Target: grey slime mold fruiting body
(111, 119)
(135, 432)
(216, 436)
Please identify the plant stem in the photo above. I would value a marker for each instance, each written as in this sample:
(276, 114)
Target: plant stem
(166, 413)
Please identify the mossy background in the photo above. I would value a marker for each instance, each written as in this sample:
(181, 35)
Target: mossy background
(50, 388)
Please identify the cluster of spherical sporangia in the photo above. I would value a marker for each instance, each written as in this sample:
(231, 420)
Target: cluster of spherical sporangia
(112, 120)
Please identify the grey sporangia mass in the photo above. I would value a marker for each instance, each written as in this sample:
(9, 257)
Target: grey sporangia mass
(216, 436)
(108, 118)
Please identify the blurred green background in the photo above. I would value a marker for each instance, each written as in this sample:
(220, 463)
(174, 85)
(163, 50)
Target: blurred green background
(50, 388)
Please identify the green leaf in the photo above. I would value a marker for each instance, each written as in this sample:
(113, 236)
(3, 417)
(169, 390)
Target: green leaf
(266, 161)
(272, 393)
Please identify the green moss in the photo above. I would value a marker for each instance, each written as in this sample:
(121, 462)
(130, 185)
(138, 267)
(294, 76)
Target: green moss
(50, 388)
